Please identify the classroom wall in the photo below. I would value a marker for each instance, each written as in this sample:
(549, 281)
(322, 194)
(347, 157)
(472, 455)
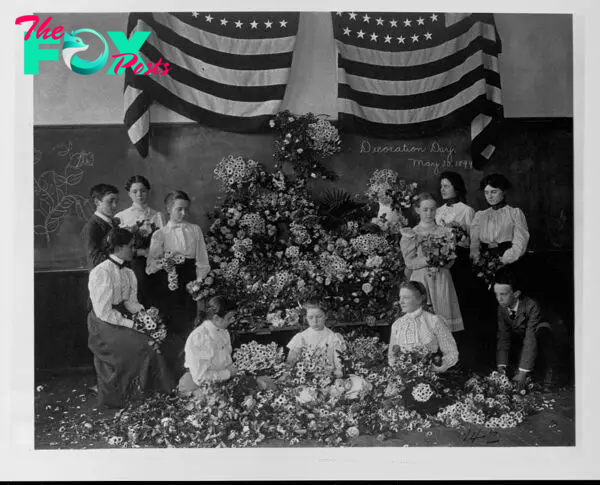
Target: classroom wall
(536, 70)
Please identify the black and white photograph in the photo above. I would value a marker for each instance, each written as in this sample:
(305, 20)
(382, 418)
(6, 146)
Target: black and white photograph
(296, 231)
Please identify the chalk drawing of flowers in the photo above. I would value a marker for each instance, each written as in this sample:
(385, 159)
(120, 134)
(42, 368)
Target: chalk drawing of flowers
(53, 198)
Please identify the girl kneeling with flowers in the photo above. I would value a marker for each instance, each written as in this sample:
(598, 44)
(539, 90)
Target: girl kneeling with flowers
(208, 347)
(317, 336)
(418, 328)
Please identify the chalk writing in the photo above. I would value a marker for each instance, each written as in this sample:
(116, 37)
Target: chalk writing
(447, 154)
(444, 164)
(51, 190)
(367, 147)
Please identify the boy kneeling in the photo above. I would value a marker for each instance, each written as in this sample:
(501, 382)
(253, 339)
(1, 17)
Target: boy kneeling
(520, 321)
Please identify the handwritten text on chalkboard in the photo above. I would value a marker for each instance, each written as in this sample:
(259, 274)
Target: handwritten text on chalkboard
(447, 154)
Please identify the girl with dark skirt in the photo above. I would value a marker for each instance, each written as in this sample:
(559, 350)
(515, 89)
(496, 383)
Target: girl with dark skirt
(183, 240)
(454, 212)
(127, 366)
(500, 230)
(144, 219)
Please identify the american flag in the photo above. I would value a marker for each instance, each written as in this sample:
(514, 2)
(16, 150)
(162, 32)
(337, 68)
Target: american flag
(403, 75)
(228, 70)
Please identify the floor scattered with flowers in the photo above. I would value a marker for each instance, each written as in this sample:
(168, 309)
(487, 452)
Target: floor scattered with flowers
(67, 417)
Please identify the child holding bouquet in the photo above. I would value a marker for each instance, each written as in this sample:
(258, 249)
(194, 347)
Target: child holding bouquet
(208, 348)
(317, 335)
(142, 221)
(429, 251)
(177, 256)
(125, 352)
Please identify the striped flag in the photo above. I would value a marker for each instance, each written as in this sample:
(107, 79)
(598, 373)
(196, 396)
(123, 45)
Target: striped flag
(227, 70)
(408, 75)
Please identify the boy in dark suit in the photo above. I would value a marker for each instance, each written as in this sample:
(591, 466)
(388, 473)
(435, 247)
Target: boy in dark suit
(520, 322)
(106, 198)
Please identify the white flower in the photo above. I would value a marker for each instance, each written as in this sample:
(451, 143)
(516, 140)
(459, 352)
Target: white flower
(272, 123)
(352, 432)
(306, 395)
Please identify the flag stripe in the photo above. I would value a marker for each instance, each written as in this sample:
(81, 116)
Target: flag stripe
(218, 58)
(424, 113)
(251, 123)
(391, 72)
(221, 105)
(222, 43)
(430, 83)
(198, 83)
(414, 101)
(217, 74)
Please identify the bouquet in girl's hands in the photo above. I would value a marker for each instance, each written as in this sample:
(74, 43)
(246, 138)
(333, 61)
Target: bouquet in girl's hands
(461, 236)
(142, 232)
(169, 262)
(439, 250)
(489, 262)
(422, 384)
(259, 359)
(151, 323)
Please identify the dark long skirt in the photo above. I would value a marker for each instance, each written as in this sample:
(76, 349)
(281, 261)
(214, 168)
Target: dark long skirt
(178, 307)
(127, 367)
(138, 265)
(466, 285)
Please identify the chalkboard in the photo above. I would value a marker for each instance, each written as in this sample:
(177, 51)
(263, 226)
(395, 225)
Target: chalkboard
(537, 156)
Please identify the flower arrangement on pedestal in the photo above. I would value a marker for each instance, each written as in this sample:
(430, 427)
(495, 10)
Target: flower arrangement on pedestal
(269, 251)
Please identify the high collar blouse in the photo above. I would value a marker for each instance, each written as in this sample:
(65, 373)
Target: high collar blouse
(507, 224)
(180, 238)
(208, 353)
(130, 216)
(110, 284)
(423, 329)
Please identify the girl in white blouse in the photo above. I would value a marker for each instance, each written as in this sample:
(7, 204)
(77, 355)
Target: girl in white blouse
(180, 238)
(500, 228)
(208, 347)
(138, 189)
(454, 210)
(317, 336)
(418, 328)
(125, 363)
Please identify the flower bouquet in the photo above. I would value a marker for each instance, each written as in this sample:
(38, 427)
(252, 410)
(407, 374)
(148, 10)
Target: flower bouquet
(233, 173)
(305, 141)
(282, 319)
(387, 188)
(492, 401)
(142, 232)
(439, 250)
(259, 360)
(461, 236)
(169, 262)
(423, 389)
(489, 262)
(312, 370)
(151, 323)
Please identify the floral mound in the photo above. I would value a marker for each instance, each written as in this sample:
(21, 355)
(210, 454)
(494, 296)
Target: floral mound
(307, 403)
